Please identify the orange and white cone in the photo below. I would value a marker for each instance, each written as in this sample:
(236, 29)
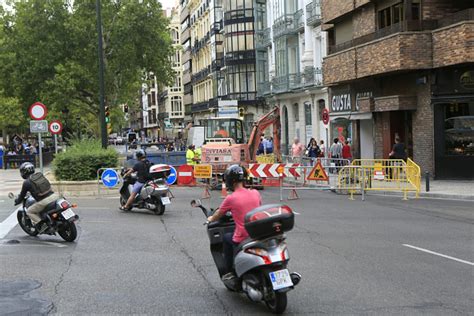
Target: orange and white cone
(223, 191)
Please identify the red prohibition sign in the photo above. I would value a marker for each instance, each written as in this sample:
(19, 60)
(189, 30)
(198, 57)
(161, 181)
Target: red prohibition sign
(38, 111)
(55, 127)
(325, 116)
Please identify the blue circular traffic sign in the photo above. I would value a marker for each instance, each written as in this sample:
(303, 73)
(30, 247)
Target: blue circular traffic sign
(110, 178)
(172, 177)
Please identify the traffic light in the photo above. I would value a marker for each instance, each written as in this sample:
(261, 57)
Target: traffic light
(241, 112)
(107, 120)
(125, 108)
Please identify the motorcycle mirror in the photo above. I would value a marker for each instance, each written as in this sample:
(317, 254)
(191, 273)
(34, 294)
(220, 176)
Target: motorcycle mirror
(11, 195)
(196, 203)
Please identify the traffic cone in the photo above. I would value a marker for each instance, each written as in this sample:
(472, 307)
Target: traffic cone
(223, 191)
(293, 195)
(206, 194)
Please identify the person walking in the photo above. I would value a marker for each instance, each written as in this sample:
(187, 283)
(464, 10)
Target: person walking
(335, 152)
(346, 151)
(297, 150)
(398, 152)
(322, 148)
(313, 150)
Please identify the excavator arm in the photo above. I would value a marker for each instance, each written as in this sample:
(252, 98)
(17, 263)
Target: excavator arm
(271, 118)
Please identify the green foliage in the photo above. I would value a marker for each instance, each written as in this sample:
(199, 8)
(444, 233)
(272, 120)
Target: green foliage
(11, 115)
(48, 53)
(82, 160)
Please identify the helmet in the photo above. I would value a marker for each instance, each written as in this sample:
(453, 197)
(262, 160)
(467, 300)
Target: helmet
(139, 154)
(26, 169)
(234, 174)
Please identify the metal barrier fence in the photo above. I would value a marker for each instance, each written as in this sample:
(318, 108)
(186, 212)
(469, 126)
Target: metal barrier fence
(379, 175)
(313, 174)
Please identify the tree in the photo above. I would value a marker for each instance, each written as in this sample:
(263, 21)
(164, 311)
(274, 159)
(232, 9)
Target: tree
(50, 49)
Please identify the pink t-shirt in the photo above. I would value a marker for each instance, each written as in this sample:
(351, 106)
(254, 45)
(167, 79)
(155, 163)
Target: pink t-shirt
(297, 150)
(239, 204)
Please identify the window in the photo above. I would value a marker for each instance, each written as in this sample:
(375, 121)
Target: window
(459, 129)
(307, 113)
(296, 114)
(385, 18)
(176, 106)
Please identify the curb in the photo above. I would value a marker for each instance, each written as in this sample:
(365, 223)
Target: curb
(426, 195)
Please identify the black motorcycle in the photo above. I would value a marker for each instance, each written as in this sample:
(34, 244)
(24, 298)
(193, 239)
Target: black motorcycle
(154, 195)
(57, 217)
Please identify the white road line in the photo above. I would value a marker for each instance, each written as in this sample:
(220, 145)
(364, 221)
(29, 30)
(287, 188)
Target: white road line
(7, 225)
(440, 254)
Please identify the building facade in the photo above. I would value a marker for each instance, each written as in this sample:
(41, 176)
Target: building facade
(290, 46)
(149, 102)
(403, 69)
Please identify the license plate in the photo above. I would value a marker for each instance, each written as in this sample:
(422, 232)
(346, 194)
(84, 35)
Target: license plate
(280, 279)
(67, 214)
(165, 200)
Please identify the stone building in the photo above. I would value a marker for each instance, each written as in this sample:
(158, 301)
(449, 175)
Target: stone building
(403, 68)
(290, 47)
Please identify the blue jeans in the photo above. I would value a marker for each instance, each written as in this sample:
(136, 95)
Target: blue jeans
(229, 246)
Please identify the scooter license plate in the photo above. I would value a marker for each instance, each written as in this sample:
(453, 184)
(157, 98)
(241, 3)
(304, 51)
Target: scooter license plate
(280, 279)
(67, 214)
(165, 200)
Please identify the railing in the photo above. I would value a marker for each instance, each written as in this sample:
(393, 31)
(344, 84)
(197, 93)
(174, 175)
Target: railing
(288, 24)
(263, 38)
(201, 74)
(295, 81)
(313, 76)
(313, 13)
(310, 77)
(406, 26)
(198, 44)
(264, 88)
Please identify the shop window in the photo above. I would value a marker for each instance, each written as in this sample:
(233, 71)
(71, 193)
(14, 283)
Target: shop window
(296, 114)
(459, 129)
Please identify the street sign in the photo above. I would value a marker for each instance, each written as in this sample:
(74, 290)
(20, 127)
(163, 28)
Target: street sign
(55, 127)
(228, 108)
(172, 177)
(318, 173)
(38, 111)
(325, 116)
(185, 175)
(203, 171)
(38, 126)
(110, 178)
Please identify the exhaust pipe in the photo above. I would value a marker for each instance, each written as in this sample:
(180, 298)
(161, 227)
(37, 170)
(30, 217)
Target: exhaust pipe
(254, 294)
(295, 278)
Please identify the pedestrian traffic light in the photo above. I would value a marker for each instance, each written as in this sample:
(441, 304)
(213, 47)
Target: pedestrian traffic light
(241, 112)
(125, 108)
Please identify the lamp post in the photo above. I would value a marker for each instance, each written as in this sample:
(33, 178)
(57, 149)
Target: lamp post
(103, 124)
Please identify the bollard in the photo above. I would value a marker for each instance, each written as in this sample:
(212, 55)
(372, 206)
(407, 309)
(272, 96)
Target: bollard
(427, 181)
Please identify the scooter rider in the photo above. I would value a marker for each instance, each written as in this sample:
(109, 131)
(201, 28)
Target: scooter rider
(142, 168)
(40, 188)
(239, 203)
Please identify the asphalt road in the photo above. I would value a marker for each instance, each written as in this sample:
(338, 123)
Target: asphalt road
(356, 258)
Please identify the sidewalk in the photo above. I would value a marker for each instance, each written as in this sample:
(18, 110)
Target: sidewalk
(11, 181)
(449, 189)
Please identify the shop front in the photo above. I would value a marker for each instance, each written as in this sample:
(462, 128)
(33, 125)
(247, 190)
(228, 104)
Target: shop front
(453, 104)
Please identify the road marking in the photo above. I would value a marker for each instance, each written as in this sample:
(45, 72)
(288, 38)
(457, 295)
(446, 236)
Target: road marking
(7, 225)
(440, 254)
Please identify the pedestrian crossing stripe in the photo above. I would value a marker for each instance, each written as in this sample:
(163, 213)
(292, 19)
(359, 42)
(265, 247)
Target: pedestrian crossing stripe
(318, 173)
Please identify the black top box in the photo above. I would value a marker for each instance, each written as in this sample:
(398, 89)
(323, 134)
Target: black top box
(269, 220)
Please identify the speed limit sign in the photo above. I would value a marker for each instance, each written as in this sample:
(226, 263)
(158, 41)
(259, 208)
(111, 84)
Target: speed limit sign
(55, 127)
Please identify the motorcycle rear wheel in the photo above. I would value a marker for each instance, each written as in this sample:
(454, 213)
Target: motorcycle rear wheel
(160, 208)
(278, 304)
(68, 231)
(29, 229)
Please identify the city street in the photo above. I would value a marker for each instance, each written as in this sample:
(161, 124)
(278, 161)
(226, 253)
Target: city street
(380, 256)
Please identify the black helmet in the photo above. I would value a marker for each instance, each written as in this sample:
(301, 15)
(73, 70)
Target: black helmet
(26, 169)
(139, 154)
(233, 175)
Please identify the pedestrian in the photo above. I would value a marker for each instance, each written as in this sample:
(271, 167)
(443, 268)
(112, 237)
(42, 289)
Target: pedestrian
(313, 150)
(398, 152)
(297, 150)
(346, 151)
(191, 158)
(261, 148)
(322, 148)
(336, 149)
(268, 145)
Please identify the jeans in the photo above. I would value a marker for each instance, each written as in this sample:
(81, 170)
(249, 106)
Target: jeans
(229, 246)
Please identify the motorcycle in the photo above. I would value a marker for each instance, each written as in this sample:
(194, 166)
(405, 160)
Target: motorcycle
(261, 261)
(58, 217)
(154, 195)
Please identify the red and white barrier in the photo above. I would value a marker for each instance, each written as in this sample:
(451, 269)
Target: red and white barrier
(257, 170)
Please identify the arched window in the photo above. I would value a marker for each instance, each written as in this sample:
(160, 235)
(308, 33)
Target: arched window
(296, 114)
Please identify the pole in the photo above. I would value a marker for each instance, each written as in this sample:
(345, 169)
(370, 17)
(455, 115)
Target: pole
(56, 143)
(40, 146)
(326, 152)
(103, 126)
(427, 181)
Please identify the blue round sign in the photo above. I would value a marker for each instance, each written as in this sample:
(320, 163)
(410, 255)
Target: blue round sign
(110, 178)
(172, 177)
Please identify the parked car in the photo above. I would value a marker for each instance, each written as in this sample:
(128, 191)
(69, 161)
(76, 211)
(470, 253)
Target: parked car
(119, 140)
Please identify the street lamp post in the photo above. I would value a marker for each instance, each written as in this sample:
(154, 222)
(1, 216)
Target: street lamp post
(103, 125)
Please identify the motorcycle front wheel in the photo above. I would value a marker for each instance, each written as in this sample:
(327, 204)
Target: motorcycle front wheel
(68, 231)
(26, 224)
(278, 303)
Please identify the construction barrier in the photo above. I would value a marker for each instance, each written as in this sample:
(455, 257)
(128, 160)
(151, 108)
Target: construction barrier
(380, 175)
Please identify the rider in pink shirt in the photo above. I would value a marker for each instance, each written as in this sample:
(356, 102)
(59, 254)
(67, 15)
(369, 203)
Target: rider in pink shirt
(239, 203)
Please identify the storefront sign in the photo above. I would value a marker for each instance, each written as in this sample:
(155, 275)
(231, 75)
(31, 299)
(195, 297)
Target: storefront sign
(341, 103)
(467, 80)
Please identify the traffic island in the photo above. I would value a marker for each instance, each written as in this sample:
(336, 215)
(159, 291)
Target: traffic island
(80, 188)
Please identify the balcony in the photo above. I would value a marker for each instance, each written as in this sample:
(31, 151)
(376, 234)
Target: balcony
(311, 77)
(240, 57)
(264, 88)
(201, 75)
(198, 44)
(216, 27)
(288, 24)
(263, 38)
(313, 13)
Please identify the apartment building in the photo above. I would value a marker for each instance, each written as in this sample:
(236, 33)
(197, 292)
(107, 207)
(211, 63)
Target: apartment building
(290, 46)
(403, 68)
(149, 103)
(171, 99)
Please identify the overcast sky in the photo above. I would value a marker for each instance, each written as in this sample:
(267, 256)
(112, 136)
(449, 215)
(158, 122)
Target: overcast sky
(167, 3)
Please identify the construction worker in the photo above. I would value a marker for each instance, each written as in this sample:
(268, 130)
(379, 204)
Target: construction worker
(198, 154)
(191, 158)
